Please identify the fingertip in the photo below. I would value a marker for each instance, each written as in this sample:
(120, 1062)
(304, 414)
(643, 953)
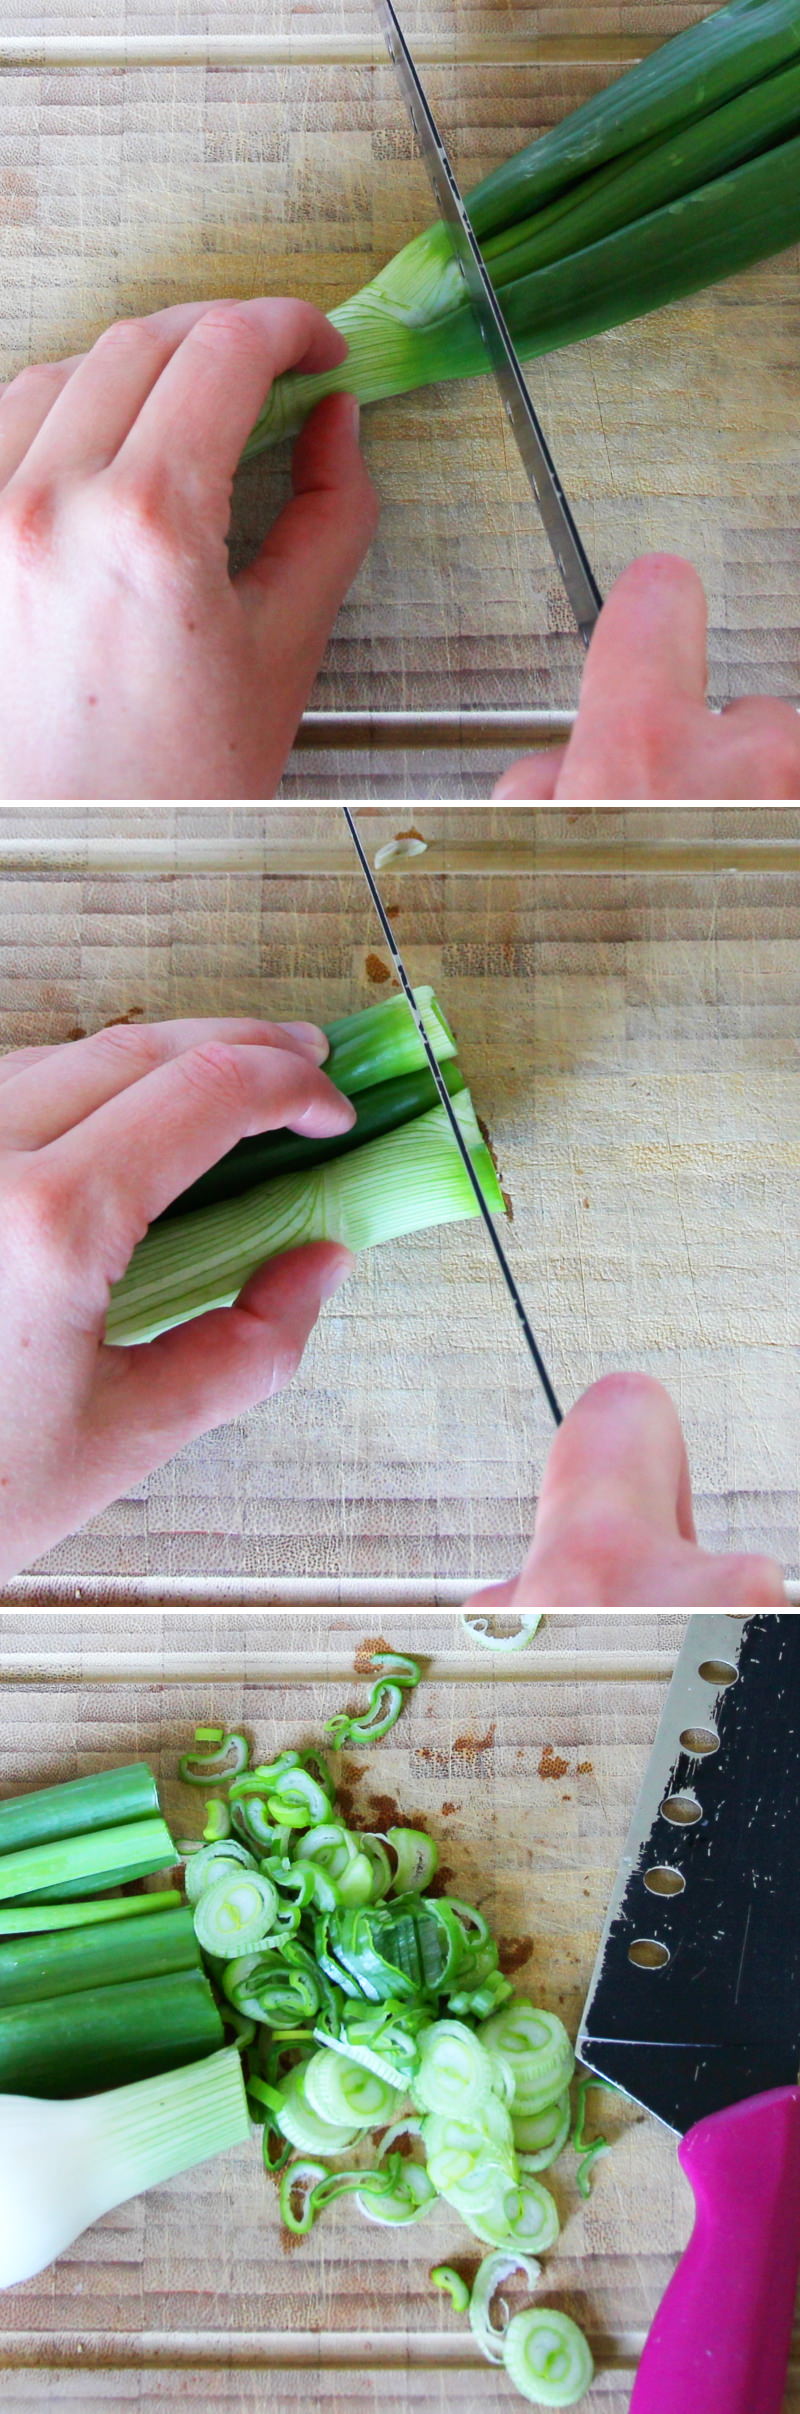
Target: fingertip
(535, 775)
(311, 1037)
(750, 1580)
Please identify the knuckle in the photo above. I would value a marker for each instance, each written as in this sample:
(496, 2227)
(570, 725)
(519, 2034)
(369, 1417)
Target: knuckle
(144, 524)
(41, 1209)
(134, 335)
(38, 377)
(213, 1068)
(27, 516)
(226, 323)
(131, 1048)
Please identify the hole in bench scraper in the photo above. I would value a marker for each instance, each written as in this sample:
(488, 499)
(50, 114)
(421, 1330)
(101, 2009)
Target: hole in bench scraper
(662, 1880)
(682, 1810)
(647, 1954)
(700, 1741)
(718, 1672)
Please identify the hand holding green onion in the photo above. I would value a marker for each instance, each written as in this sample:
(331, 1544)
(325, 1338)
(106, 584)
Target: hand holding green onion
(95, 1140)
(131, 663)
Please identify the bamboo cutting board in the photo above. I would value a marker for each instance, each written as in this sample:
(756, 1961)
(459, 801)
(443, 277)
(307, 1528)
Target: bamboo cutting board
(626, 991)
(149, 155)
(526, 1770)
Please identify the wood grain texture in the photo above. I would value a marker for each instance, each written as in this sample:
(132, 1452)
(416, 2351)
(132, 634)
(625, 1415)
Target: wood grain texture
(631, 1036)
(186, 2295)
(127, 188)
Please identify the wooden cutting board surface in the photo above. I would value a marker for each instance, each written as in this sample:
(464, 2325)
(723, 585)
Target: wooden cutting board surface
(626, 992)
(526, 1769)
(158, 154)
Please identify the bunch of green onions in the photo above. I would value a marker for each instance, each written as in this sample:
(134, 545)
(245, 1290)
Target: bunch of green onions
(683, 172)
(396, 1171)
(99, 1989)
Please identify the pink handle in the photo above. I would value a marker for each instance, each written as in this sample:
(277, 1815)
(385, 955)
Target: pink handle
(720, 2340)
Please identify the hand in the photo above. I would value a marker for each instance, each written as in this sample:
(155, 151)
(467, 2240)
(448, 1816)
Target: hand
(614, 1525)
(131, 665)
(95, 1139)
(643, 727)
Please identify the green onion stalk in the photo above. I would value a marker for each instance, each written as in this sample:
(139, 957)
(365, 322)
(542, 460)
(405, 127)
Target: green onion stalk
(685, 171)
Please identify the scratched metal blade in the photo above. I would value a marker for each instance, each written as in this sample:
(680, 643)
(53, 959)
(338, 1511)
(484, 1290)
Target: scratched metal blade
(567, 546)
(721, 2019)
(511, 1286)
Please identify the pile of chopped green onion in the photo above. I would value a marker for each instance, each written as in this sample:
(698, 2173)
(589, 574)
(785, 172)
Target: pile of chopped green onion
(395, 1172)
(363, 2002)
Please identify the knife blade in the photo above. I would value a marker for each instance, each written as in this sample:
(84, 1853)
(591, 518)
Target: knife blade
(560, 528)
(694, 2006)
(511, 1285)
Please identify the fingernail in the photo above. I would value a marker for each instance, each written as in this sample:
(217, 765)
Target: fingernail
(355, 412)
(312, 1037)
(336, 1273)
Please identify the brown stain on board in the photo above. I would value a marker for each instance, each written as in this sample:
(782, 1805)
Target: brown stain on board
(362, 1661)
(449, 1809)
(512, 1951)
(585, 1768)
(376, 970)
(551, 1765)
(471, 1746)
(487, 1138)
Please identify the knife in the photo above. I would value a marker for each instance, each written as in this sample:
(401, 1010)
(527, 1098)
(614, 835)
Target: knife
(694, 2007)
(511, 1285)
(566, 544)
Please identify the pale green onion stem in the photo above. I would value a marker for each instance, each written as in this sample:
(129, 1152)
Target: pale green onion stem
(391, 1187)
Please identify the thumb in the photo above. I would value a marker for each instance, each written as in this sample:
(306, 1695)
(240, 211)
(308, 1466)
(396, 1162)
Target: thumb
(212, 1368)
(294, 587)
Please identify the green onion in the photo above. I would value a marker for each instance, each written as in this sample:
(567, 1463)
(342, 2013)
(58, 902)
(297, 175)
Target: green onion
(417, 1859)
(34, 1968)
(68, 2043)
(65, 2164)
(454, 2069)
(71, 1864)
(684, 171)
(342, 2091)
(78, 1808)
(212, 1861)
(399, 1676)
(39, 1918)
(480, 1631)
(547, 2357)
(539, 2051)
(539, 2137)
(392, 1187)
(234, 1912)
(443, 2276)
(382, 1043)
(197, 1767)
(381, 1109)
(489, 2277)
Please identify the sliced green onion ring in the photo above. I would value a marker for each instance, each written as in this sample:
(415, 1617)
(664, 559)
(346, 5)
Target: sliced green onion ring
(547, 2357)
(235, 1912)
(195, 1768)
(213, 1861)
(539, 2137)
(417, 1859)
(450, 2281)
(480, 1631)
(489, 2277)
